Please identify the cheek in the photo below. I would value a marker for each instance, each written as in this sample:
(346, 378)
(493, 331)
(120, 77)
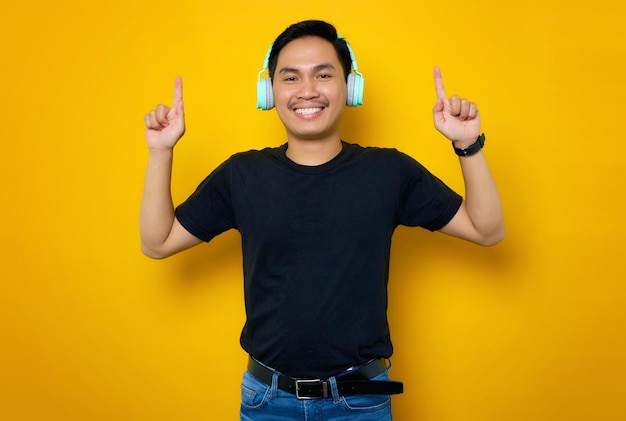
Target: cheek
(338, 92)
(282, 96)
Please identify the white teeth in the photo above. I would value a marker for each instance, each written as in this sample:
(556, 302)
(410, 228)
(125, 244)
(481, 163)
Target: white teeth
(307, 111)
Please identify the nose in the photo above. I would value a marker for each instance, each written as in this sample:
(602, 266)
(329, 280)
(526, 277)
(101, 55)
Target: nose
(308, 89)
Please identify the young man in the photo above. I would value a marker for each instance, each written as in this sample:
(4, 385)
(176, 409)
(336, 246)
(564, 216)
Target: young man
(316, 216)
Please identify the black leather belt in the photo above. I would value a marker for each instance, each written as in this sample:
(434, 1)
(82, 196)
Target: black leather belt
(356, 382)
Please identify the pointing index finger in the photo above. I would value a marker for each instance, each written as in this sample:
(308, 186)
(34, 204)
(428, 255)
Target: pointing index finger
(439, 88)
(178, 90)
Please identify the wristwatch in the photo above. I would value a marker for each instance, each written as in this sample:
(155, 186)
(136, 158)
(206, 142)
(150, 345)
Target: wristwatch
(471, 149)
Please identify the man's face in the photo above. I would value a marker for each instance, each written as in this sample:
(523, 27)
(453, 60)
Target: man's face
(309, 89)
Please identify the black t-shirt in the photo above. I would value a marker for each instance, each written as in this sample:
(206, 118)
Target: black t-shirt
(316, 244)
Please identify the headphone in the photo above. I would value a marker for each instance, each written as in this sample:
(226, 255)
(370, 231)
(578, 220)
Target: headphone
(265, 96)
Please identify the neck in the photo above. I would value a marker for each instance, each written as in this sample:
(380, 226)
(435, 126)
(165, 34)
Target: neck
(313, 152)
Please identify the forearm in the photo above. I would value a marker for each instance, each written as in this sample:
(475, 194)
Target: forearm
(157, 209)
(482, 199)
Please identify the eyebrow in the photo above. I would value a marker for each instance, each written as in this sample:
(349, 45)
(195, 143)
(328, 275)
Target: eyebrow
(317, 68)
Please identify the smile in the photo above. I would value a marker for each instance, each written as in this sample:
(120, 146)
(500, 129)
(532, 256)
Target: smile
(308, 111)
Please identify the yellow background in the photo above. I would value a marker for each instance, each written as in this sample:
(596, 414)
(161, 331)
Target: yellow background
(532, 329)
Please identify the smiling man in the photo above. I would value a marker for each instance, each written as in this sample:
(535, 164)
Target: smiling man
(316, 217)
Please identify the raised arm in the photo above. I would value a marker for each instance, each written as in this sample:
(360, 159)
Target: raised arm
(161, 233)
(479, 218)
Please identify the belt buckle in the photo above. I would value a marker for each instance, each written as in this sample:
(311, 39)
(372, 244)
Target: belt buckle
(320, 382)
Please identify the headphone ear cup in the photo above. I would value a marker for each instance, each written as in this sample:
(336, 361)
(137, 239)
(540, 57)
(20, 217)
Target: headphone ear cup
(358, 89)
(354, 96)
(264, 94)
(350, 93)
(261, 98)
(270, 94)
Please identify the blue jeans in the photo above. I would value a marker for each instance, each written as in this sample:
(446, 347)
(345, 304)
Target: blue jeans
(261, 402)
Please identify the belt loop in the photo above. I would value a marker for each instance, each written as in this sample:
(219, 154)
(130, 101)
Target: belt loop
(334, 390)
(274, 387)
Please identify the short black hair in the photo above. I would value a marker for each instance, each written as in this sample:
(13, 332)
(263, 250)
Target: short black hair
(316, 28)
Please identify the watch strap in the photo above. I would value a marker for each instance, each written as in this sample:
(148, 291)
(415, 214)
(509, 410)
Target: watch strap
(471, 149)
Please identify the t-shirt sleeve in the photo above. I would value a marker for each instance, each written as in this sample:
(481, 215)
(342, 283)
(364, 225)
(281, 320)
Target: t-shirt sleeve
(208, 212)
(426, 201)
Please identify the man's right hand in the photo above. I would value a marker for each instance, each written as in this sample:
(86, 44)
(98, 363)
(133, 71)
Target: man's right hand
(164, 125)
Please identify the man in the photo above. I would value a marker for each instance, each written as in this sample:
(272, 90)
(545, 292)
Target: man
(316, 216)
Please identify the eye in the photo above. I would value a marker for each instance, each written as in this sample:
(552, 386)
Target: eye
(325, 76)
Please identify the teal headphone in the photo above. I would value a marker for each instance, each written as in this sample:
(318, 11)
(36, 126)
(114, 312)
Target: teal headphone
(265, 96)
